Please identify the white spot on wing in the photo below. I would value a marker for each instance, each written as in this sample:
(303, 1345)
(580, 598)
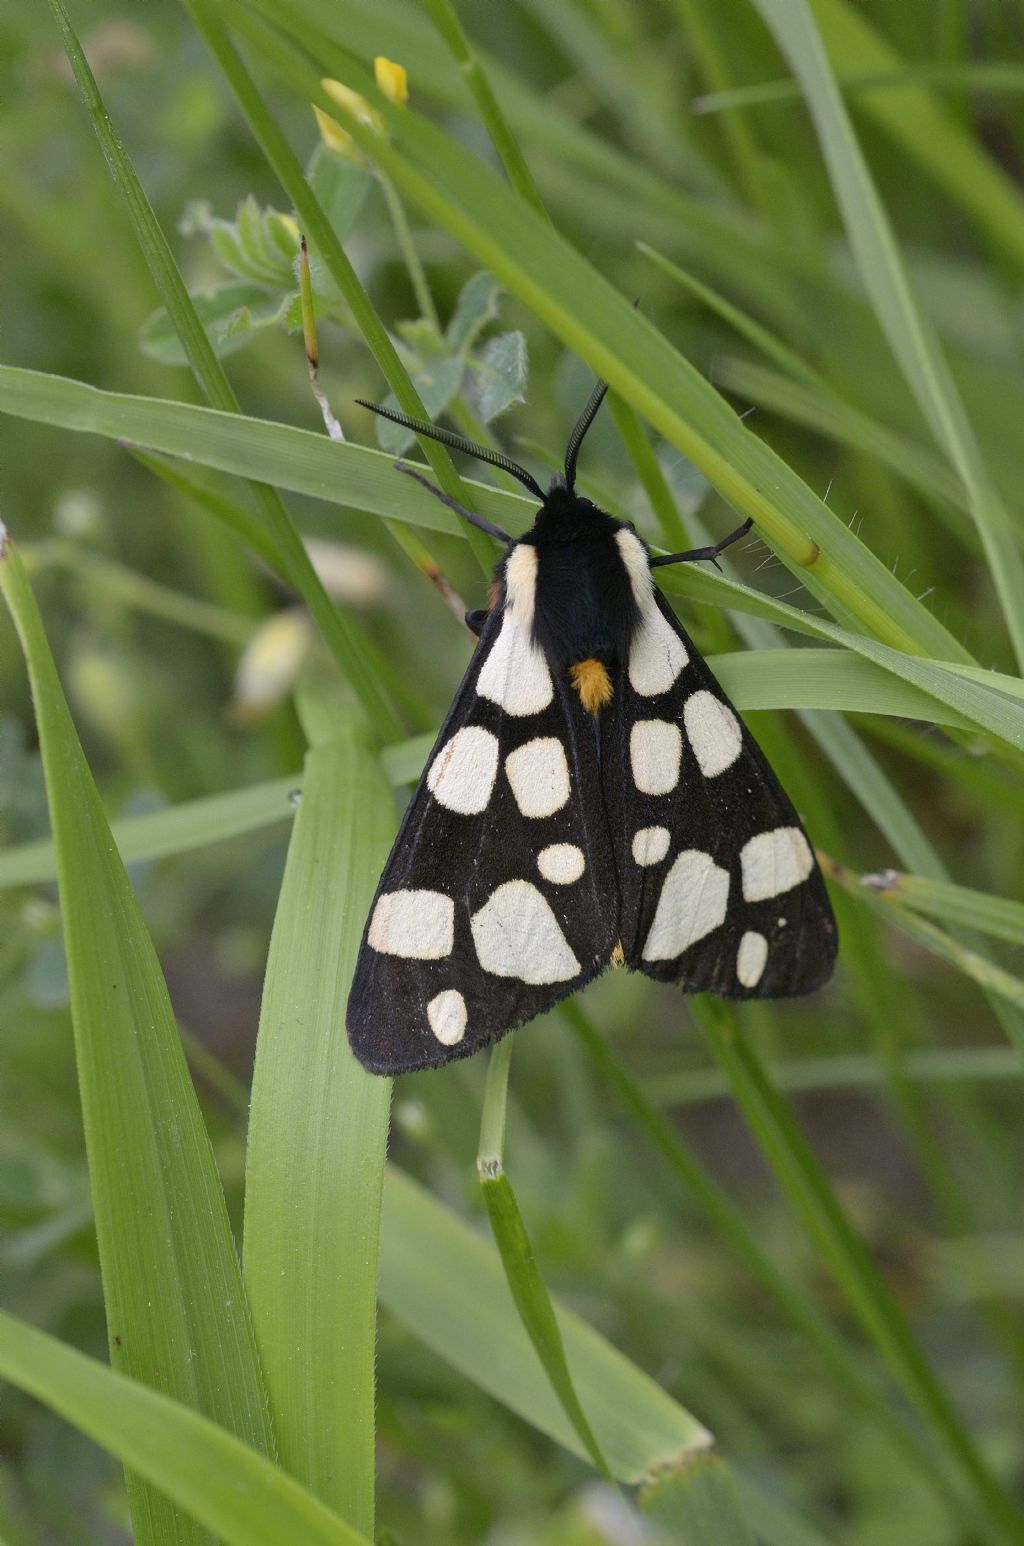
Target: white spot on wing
(447, 1015)
(751, 958)
(655, 753)
(692, 903)
(462, 774)
(515, 674)
(650, 845)
(561, 863)
(774, 862)
(539, 775)
(656, 655)
(517, 935)
(416, 924)
(713, 731)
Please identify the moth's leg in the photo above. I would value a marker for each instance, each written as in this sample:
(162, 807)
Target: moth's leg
(710, 552)
(476, 619)
(453, 504)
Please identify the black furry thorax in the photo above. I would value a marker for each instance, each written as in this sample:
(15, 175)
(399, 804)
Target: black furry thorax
(584, 604)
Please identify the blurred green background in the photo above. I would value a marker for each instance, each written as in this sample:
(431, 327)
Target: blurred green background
(903, 1080)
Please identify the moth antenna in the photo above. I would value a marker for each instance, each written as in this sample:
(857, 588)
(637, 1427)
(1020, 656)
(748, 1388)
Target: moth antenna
(583, 423)
(448, 437)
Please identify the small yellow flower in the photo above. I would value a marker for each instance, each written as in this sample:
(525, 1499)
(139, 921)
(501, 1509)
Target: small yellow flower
(392, 80)
(334, 136)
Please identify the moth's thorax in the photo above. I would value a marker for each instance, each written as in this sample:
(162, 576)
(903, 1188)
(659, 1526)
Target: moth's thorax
(574, 579)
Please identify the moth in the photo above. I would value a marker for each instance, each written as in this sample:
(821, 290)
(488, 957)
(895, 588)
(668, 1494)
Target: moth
(592, 800)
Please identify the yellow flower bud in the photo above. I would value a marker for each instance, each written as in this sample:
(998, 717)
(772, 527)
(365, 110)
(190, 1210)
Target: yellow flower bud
(392, 80)
(334, 136)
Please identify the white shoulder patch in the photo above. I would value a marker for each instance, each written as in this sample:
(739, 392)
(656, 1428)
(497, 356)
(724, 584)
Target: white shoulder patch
(516, 934)
(515, 674)
(657, 654)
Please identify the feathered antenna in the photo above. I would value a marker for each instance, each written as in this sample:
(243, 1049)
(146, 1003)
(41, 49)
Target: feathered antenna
(448, 437)
(583, 423)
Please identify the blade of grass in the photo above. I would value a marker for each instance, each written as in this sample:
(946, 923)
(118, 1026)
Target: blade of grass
(522, 1274)
(697, 1503)
(957, 161)
(849, 1262)
(446, 1285)
(727, 1218)
(909, 333)
(446, 19)
(175, 1305)
(318, 1133)
(955, 905)
(296, 458)
(237, 1494)
(337, 631)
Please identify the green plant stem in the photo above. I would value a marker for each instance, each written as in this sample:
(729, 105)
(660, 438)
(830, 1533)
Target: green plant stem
(403, 234)
(446, 20)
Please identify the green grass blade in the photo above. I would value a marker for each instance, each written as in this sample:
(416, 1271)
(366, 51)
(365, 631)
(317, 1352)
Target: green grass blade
(318, 1133)
(727, 1218)
(176, 1310)
(958, 162)
(446, 19)
(295, 459)
(532, 1300)
(311, 464)
(697, 1504)
(852, 1267)
(234, 1492)
(910, 335)
(445, 1283)
(339, 634)
(196, 823)
(954, 905)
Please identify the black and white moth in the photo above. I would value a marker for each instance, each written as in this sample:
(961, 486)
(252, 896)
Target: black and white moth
(592, 799)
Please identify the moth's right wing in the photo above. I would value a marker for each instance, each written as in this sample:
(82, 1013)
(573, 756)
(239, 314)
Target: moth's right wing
(499, 897)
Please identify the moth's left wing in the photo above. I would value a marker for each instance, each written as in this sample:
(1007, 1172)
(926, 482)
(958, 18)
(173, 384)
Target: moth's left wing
(719, 888)
(499, 896)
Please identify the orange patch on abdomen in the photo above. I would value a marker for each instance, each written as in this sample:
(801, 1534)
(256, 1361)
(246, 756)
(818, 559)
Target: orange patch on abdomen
(591, 680)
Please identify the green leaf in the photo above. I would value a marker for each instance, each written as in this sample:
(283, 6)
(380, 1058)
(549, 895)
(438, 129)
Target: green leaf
(446, 1285)
(696, 1503)
(498, 377)
(231, 315)
(477, 305)
(317, 1134)
(532, 1300)
(176, 1310)
(341, 188)
(237, 1494)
